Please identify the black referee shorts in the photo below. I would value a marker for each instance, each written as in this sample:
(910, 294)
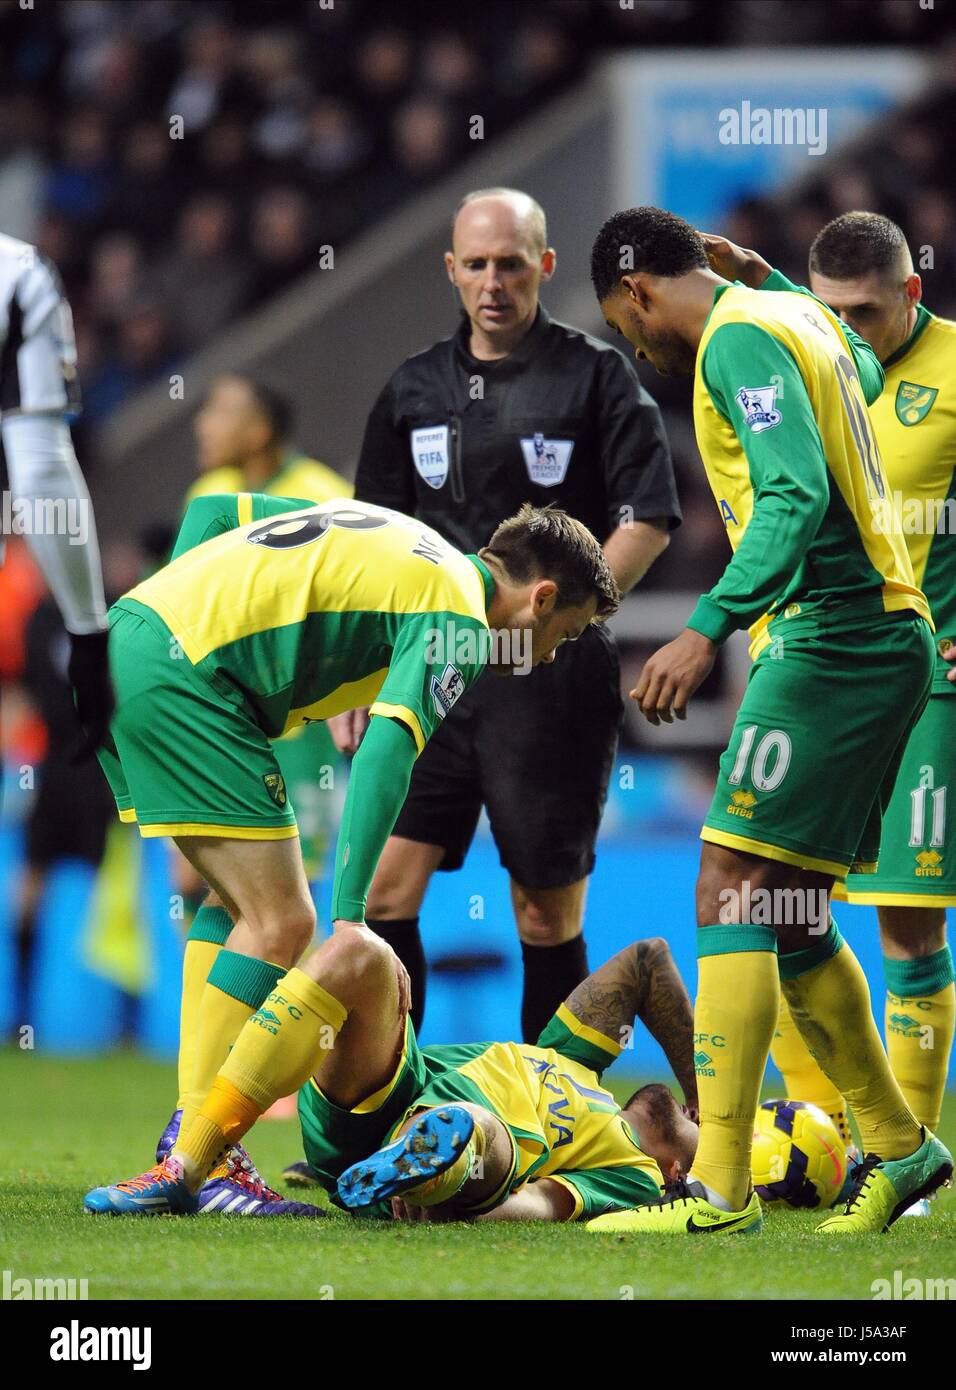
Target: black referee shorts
(71, 814)
(537, 752)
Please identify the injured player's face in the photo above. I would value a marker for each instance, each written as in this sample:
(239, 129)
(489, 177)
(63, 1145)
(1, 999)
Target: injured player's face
(664, 1132)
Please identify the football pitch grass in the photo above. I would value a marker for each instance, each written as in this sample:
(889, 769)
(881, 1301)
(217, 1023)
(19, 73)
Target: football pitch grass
(70, 1124)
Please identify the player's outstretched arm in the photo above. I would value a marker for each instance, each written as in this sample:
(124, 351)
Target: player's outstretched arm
(539, 1200)
(378, 784)
(642, 982)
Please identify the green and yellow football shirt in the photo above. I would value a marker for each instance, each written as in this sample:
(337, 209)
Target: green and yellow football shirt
(914, 419)
(298, 476)
(915, 422)
(306, 749)
(308, 611)
(325, 609)
(780, 396)
(565, 1125)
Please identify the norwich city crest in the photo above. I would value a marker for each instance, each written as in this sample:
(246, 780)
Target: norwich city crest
(913, 403)
(275, 786)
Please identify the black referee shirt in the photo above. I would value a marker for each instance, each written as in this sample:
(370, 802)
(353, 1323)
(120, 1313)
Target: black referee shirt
(460, 443)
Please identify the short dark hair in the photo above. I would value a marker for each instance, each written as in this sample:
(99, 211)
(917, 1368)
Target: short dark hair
(276, 407)
(658, 242)
(547, 543)
(661, 1107)
(854, 244)
(270, 403)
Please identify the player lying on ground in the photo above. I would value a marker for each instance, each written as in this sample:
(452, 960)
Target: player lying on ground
(273, 613)
(503, 1131)
(843, 666)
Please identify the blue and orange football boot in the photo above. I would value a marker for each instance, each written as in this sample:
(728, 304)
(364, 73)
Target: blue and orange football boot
(234, 1187)
(160, 1191)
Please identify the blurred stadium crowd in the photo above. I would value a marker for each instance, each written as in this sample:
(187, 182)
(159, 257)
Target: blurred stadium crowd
(303, 124)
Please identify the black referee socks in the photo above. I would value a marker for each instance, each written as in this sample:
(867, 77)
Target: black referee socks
(405, 940)
(550, 974)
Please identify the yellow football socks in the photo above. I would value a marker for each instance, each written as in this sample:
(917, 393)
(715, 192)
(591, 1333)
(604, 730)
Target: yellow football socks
(738, 996)
(802, 1075)
(920, 1016)
(208, 934)
(235, 987)
(830, 1003)
(275, 1053)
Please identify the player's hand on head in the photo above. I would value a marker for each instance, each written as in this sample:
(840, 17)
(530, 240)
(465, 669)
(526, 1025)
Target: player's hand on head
(672, 675)
(89, 675)
(735, 262)
(407, 1211)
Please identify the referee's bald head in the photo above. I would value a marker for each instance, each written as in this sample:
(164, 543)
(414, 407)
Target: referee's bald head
(526, 213)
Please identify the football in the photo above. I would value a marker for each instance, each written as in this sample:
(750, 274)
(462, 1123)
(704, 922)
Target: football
(798, 1157)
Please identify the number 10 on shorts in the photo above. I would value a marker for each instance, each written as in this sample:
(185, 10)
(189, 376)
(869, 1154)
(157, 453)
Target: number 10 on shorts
(771, 759)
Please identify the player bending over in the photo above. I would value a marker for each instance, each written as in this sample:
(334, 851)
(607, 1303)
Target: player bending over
(503, 1131)
(273, 613)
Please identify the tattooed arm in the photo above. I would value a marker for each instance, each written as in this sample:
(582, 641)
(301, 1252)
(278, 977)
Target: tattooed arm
(642, 982)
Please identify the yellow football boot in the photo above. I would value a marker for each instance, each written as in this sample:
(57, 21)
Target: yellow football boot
(884, 1188)
(683, 1210)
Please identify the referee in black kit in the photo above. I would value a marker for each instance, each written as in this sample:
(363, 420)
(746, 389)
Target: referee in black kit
(513, 408)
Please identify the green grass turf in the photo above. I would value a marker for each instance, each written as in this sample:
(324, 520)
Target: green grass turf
(68, 1124)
